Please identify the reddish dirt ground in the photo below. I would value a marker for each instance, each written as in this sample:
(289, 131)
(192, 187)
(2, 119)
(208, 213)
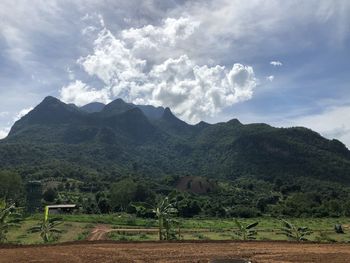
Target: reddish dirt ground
(100, 231)
(103, 251)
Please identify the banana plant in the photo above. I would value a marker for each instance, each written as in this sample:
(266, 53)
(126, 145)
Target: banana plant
(9, 217)
(47, 228)
(293, 232)
(164, 211)
(246, 232)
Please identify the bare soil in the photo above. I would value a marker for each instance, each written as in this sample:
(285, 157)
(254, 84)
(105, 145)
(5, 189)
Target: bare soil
(100, 232)
(200, 252)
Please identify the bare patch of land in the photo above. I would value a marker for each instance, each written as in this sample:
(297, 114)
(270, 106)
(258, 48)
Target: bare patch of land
(104, 251)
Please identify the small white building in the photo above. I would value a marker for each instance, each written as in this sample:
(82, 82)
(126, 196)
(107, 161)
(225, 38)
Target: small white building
(61, 209)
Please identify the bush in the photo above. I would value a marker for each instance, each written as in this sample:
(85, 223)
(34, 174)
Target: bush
(50, 195)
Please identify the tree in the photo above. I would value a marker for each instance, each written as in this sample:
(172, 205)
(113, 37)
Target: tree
(90, 206)
(122, 193)
(47, 228)
(103, 205)
(334, 207)
(294, 232)
(11, 187)
(164, 210)
(50, 195)
(34, 195)
(246, 232)
(9, 217)
(346, 208)
(338, 228)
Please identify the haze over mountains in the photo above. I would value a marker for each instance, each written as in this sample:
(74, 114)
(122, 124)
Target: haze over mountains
(122, 138)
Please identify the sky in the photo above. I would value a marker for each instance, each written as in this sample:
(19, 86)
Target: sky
(285, 63)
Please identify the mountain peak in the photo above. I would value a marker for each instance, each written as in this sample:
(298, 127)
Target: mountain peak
(50, 100)
(151, 112)
(174, 125)
(234, 122)
(202, 125)
(168, 115)
(117, 106)
(93, 107)
(117, 101)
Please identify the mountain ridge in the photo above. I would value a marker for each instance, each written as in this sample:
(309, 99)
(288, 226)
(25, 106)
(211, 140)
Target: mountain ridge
(121, 136)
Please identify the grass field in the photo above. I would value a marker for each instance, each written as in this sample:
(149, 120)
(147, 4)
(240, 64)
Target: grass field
(78, 227)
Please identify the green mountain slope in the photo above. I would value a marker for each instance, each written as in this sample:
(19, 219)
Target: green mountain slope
(121, 138)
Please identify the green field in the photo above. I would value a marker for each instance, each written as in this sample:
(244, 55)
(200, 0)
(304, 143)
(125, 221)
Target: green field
(77, 227)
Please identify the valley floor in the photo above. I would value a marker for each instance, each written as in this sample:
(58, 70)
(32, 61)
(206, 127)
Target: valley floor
(203, 251)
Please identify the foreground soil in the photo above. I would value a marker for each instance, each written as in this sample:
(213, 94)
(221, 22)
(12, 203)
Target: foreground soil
(103, 251)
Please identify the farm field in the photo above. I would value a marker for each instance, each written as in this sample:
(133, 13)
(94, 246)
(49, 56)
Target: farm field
(207, 251)
(124, 227)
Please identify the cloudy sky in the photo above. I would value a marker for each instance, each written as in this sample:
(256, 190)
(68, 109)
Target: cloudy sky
(285, 63)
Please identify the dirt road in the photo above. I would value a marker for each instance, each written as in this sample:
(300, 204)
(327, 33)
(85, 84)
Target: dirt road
(102, 251)
(100, 232)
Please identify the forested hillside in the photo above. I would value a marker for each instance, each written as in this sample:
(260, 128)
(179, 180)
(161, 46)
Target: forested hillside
(124, 138)
(226, 169)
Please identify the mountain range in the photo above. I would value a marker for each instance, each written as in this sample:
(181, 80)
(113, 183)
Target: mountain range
(123, 138)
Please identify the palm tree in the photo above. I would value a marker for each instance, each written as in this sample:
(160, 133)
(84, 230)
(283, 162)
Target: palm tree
(293, 232)
(246, 232)
(9, 217)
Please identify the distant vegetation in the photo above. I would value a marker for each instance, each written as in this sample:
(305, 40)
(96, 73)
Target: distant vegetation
(107, 159)
(243, 197)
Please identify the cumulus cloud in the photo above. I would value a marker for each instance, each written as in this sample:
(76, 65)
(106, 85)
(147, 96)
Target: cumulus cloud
(276, 63)
(270, 78)
(333, 122)
(191, 90)
(80, 94)
(147, 41)
(194, 91)
(4, 132)
(22, 113)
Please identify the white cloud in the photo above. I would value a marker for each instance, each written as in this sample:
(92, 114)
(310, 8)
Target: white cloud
(4, 114)
(171, 31)
(71, 74)
(195, 92)
(276, 63)
(191, 90)
(34, 18)
(151, 42)
(333, 122)
(112, 62)
(22, 113)
(270, 78)
(80, 94)
(226, 24)
(4, 132)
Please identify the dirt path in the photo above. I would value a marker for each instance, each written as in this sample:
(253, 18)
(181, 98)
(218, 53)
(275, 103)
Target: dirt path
(100, 232)
(199, 252)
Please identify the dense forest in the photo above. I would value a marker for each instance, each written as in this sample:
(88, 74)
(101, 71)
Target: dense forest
(107, 157)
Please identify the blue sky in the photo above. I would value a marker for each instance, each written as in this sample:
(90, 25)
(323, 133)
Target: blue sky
(206, 60)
